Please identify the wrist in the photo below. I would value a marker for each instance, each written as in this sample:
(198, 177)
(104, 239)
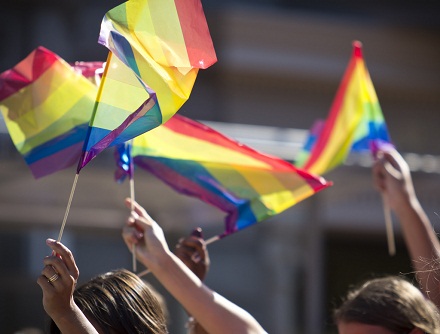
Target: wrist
(161, 261)
(67, 315)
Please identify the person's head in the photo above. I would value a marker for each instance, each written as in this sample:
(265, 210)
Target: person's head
(120, 302)
(390, 304)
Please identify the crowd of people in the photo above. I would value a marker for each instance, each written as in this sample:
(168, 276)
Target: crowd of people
(121, 302)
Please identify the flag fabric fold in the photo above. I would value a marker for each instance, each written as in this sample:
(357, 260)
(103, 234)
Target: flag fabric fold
(156, 49)
(46, 105)
(124, 162)
(198, 161)
(355, 122)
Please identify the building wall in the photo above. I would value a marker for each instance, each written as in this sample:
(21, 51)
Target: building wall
(279, 65)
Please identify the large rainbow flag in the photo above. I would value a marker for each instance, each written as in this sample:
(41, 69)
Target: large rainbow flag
(46, 105)
(156, 49)
(198, 161)
(355, 121)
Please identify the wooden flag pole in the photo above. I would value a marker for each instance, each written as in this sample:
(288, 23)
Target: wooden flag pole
(69, 203)
(128, 145)
(211, 240)
(389, 228)
(133, 247)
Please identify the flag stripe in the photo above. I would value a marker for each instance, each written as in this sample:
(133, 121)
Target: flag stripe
(148, 66)
(196, 40)
(57, 161)
(26, 72)
(354, 122)
(71, 137)
(224, 147)
(198, 161)
(48, 117)
(334, 117)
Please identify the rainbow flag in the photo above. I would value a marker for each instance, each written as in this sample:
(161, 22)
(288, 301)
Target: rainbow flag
(156, 49)
(198, 161)
(355, 121)
(46, 105)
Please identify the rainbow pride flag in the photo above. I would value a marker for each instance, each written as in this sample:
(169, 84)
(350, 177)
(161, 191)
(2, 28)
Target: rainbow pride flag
(46, 105)
(198, 161)
(355, 121)
(156, 49)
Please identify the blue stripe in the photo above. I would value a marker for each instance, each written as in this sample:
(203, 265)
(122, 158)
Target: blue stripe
(124, 49)
(72, 137)
(151, 120)
(375, 132)
(96, 135)
(226, 200)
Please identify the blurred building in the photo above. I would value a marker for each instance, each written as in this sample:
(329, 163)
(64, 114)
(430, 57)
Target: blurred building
(279, 65)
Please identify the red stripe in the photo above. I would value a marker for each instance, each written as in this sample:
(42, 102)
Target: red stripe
(317, 183)
(187, 127)
(196, 34)
(335, 109)
(26, 71)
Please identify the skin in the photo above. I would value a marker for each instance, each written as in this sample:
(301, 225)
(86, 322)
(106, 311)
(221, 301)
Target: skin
(215, 313)
(392, 178)
(193, 253)
(58, 295)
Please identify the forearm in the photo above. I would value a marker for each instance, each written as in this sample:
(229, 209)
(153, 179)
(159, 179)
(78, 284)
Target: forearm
(74, 322)
(423, 246)
(215, 313)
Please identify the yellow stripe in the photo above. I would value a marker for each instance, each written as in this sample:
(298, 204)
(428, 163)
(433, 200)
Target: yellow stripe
(171, 86)
(45, 101)
(276, 194)
(350, 116)
(161, 142)
(121, 90)
(158, 19)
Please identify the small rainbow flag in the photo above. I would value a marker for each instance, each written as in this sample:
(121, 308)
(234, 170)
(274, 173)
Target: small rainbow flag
(46, 105)
(355, 121)
(198, 161)
(124, 162)
(156, 49)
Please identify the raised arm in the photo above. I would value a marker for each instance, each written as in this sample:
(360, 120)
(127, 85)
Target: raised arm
(215, 313)
(57, 281)
(392, 177)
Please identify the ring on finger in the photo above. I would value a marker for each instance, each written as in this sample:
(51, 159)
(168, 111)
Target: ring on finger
(53, 278)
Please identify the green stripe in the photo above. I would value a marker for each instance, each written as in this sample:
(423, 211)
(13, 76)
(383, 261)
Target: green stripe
(78, 114)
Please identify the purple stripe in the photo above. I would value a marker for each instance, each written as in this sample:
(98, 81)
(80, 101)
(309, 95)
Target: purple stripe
(56, 162)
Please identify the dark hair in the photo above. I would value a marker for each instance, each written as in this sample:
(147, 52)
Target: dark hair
(120, 302)
(392, 303)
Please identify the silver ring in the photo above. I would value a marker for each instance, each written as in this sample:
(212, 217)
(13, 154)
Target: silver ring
(53, 278)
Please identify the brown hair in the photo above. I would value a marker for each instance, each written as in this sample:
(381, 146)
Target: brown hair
(392, 303)
(120, 302)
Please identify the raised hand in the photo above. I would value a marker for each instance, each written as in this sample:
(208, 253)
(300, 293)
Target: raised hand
(193, 252)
